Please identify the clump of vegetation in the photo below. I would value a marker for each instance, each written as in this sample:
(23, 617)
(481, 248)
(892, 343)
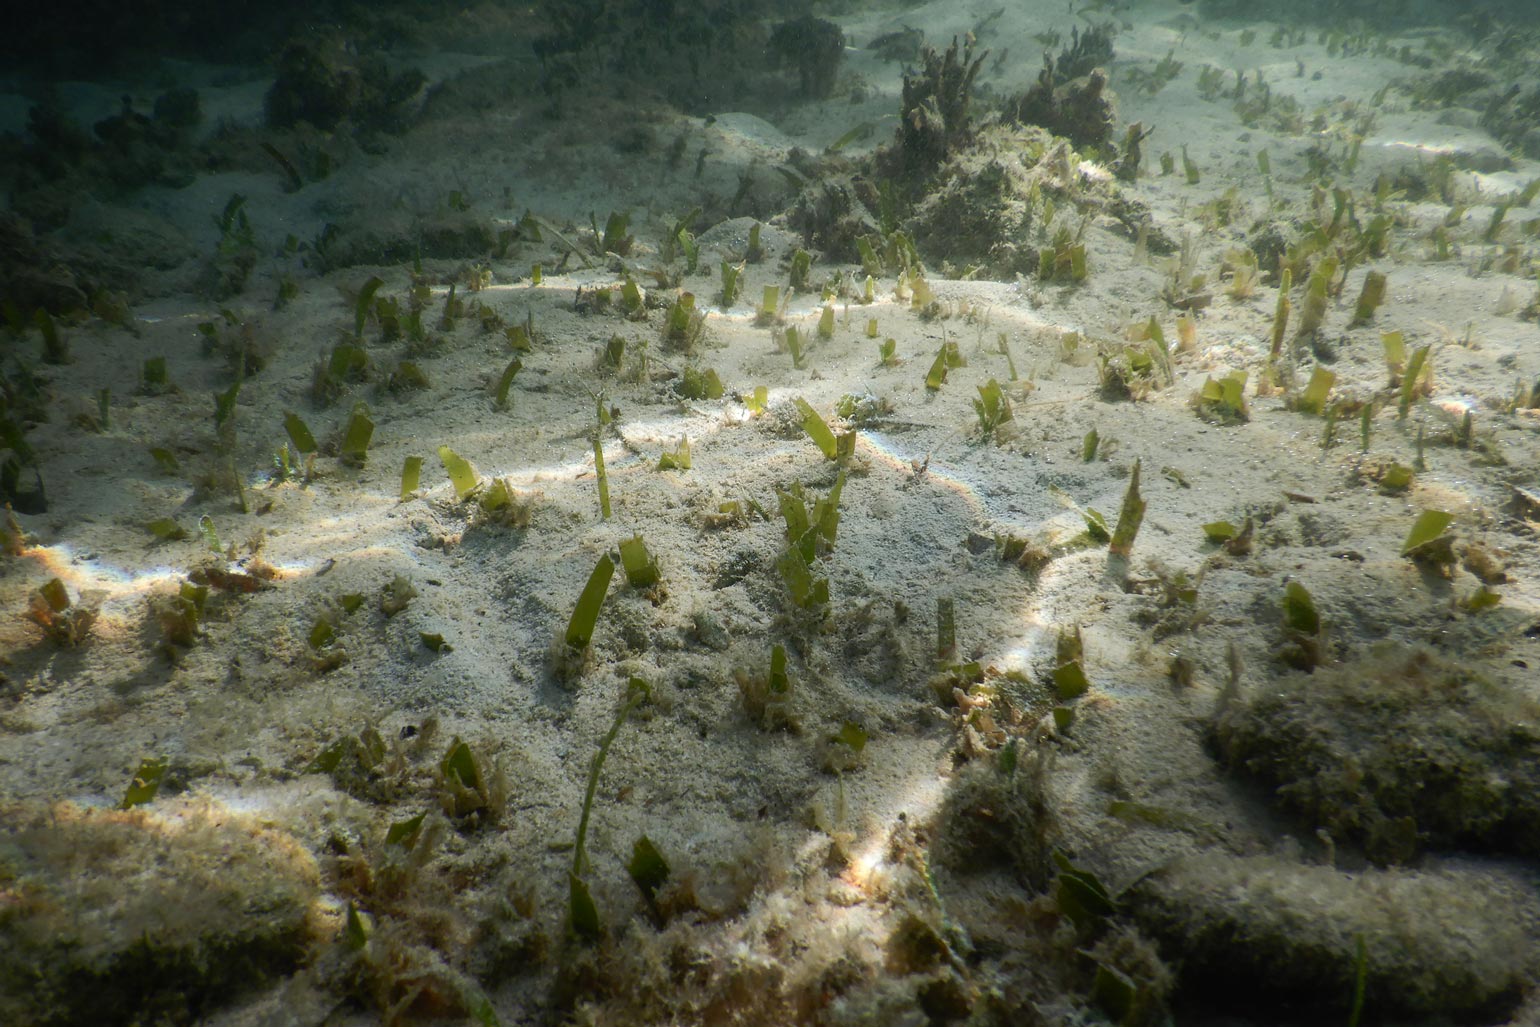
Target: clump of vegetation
(1397, 751)
(1064, 260)
(695, 383)
(503, 505)
(935, 115)
(470, 794)
(1068, 97)
(1240, 264)
(240, 341)
(978, 214)
(64, 622)
(994, 411)
(1081, 111)
(362, 764)
(13, 538)
(812, 526)
(235, 255)
(997, 818)
(180, 616)
(326, 87)
(1223, 400)
(768, 695)
(346, 364)
(396, 595)
(1132, 372)
(684, 325)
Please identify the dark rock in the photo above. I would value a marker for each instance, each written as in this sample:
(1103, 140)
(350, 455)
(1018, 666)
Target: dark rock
(1255, 932)
(1397, 751)
(145, 916)
(814, 47)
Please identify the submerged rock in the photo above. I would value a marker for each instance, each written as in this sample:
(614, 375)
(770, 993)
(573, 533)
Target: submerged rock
(145, 915)
(1397, 751)
(815, 47)
(1254, 930)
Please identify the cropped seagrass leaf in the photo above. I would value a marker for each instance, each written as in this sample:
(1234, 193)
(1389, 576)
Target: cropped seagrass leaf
(224, 404)
(780, 683)
(1414, 370)
(299, 433)
(601, 477)
(166, 529)
(1220, 531)
(210, 535)
(461, 766)
(1430, 525)
(1427, 534)
(505, 382)
(678, 459)
(355, 438)
(853, 736)
(404, 832)
(647, 868)
(936, 376)
(461, 474)
(146, 782)
(946, 629)
(1080, 895)
(361, 308)
(1070, 680)
(580, 629)
(817, 430)
(1313, 400)
(807, 592)
(640, 566)
(581, 909)
(360, 926)
(411, 476)
(1130, 517)
(1481, 599)
(1299, 612)
(1396, 478)
(165, 460)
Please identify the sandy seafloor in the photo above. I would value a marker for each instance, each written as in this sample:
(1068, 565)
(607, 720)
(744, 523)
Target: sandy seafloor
(906, 883)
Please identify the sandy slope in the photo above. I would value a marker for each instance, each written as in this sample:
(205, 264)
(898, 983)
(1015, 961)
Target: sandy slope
(799, 876)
